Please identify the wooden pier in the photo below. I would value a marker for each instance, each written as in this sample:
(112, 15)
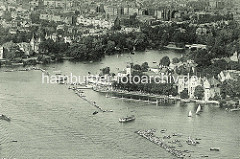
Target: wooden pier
(134, 96)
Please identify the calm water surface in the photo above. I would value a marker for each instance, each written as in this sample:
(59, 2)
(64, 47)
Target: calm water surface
(50, 121)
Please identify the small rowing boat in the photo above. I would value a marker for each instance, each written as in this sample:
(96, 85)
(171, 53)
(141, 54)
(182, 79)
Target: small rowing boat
(4, 117)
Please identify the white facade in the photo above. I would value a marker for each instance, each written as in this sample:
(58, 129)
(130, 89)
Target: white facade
(129, 70)
(1, 53)
(182, 84)
(158, 14)
(154, 69)
(192, 84)
(67, 40)
(207, 87)
(35, 44)
(235, 57)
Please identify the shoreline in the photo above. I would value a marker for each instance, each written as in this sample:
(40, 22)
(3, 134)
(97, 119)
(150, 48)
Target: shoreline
(165, 97)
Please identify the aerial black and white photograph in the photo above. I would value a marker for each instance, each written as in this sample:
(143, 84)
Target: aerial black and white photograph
(119, 79)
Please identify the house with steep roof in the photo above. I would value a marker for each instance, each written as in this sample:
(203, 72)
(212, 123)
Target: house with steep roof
(235, 57)
(210, 86)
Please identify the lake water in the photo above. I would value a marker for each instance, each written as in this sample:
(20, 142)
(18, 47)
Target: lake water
(50, 121)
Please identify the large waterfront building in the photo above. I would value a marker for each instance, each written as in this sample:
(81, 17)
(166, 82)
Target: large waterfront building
(210, 86)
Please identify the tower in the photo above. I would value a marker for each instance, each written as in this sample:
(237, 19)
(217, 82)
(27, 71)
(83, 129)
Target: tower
(32, 43)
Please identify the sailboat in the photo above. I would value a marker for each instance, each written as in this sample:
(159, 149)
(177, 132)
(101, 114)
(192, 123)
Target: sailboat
(198, 109)
(190, 114)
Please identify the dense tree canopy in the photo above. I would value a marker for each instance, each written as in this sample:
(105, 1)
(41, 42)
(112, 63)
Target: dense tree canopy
(184, 94)
(230, 88)
(199, 92)
(165, 61)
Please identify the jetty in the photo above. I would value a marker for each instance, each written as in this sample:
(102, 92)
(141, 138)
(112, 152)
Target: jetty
(29, 69)
(149, 135)
(79, 92)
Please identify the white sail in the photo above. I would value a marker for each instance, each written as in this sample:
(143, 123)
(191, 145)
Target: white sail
(198, 109)
(190, 114)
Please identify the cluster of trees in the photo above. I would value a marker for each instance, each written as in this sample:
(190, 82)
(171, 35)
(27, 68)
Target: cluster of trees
(146, 85)
(216, 67)
(141, 68)
(89, 48)
(50, 47)
(222, 40)
(161, 89)
(131, 22)
(7, 15)
(184, 94)
(209, 64)
(105, 71)
(162, 34)
(19, 37)
(230, 88)
(213, 18)
(94, 48)
(12, 51)
(223, 43)
(199, 92)
(165, 61)
(35, 17)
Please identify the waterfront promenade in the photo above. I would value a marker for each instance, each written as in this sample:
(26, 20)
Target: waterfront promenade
(150, 97)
